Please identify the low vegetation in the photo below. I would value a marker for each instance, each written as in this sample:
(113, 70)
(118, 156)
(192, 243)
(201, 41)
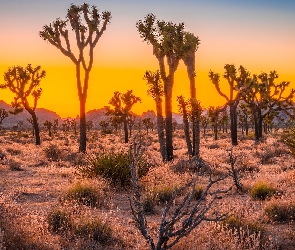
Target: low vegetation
(76, 201)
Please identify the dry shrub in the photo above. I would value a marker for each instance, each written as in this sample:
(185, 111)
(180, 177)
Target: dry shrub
(13, 151)
(58, 221)
(15, 165)
(280, 211)
(113, 166)
(15, 235)
(96, 230)
(262, 190)
(53, 152)
(91, 194)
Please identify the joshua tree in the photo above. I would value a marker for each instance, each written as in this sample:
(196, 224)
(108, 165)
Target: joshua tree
(266, 98)
(130, 123)
(88, 26)
(147, 122)
(169, 42)
(213, 113)
(204, 122)
(48, 125)
(73, 124)
(3, 115)
(25, 82)
(156, 91)
(189, 60)
(55, 125)
(89, 125)
(232, 99)
(116, 122)
(183, 107)
(122, 105)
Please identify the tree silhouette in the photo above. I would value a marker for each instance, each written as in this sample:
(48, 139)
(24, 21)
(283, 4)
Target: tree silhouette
(169, 42)
(213, 114)
(147, 122)
(266, 98)
(88, 26)
(48, 125)
(232, 99)
(3, 114)
(122, 105)
(155, 90)
(25, 83)
(244, 117)
(55, 124)
(183, 107)
(204, 119)
(189, 60)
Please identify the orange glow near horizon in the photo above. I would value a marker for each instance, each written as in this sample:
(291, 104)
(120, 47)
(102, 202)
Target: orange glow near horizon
(60, 92)
(261, 44)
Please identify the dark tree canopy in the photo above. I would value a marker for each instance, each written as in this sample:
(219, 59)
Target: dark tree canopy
(25, 84)
(88, 25)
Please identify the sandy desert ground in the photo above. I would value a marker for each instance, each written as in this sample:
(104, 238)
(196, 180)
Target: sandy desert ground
(34, 186)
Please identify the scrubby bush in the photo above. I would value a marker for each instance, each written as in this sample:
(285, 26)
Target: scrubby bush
(149, 203)
(13, 151)
(96, 230)
(113, 166)
(86, 194)
(197, 194)
(58, 221)
(163, 193)
(281, 212)
(262, 190)
(239, 226)
(15, 165)
(53, 152)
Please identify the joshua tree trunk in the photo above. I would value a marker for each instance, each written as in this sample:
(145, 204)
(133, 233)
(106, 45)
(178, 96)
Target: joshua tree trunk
(125, 129)
(160, 128)
(35, 124)
(169, 126)
(189, 62)
(233, 124)
(82, 145)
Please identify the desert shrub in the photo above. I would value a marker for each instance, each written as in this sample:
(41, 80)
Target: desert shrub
(281, 212)
(15, 165)
(75, 158)
(288, 138)
(13, 151)
(213, 146)
(163, 193)
(262, 190)
(58, 221)
(198, 191)
(85, 194)
(149, 204)
(2, 155)
(238, 225)
(53, 152)
(113, 166)
(96, 230)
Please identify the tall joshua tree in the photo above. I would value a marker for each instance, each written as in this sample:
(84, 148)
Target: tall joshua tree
(88, 26)
(192, 43)
(233, 98)
(156, 91)
(170, 44)
(122, 105)
(183, 107)
(25, 82)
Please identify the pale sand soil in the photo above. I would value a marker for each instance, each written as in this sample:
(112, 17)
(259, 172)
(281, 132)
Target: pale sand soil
(29, 195)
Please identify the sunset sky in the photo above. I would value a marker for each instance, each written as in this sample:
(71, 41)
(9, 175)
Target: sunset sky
(259, 35)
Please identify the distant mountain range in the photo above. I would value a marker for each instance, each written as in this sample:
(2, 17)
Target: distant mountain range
(95, 115)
